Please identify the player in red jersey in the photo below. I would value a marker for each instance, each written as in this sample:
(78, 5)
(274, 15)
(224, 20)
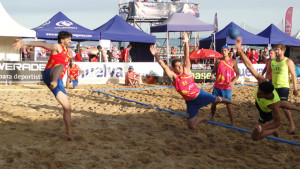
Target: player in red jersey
(184, 83)
(74, 72)
(55, 70)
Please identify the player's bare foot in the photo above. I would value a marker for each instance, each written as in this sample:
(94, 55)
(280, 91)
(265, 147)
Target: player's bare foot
(69, 137)
(291, 131)
(53, 85)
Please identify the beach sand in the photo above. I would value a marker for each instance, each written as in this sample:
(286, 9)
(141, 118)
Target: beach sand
(112, 133)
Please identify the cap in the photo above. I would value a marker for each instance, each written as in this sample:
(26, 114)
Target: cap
(226, 47)
(130, 67)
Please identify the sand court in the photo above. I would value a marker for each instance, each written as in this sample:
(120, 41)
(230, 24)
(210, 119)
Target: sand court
(112, 133)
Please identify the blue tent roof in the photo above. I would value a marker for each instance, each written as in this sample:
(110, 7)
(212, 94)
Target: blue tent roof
(180, 22)
(60, 22)
(223, 38)
(117, 29)
(276, 36)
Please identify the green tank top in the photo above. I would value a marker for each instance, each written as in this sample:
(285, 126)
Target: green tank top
(264, 103)
(280, 73)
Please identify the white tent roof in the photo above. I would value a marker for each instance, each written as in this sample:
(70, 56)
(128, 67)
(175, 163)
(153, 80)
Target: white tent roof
(297, 36)
(9, 27)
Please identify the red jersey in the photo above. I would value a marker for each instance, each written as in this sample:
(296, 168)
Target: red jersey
(252, 58)
(186, 86)
(267, 64)
(60, 58)
(74, 71)
(126, 54)
(225, 73)
(78, 58)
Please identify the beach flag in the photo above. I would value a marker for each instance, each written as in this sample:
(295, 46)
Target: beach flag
(216, 22)
(288, 21)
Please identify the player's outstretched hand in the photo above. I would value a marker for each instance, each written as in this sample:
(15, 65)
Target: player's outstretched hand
(238, 42)
(153, 50)
(185, 37)
(18, 44)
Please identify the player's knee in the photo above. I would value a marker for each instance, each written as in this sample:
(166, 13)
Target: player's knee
(67, 108)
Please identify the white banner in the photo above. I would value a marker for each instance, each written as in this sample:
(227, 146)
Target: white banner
(245, 74)
(101, 73)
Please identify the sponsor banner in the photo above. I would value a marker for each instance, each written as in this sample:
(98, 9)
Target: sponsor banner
(201, 75)
(156, 10)
(245, 74)
(92, 72)
(101, 73)
(21, 72)
(288, 21)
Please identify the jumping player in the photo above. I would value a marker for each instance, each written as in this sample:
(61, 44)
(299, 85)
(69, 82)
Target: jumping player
(267, 101)
(55, 70)
(74, 72)
(280, 68)
(225, 79)
(183, 81)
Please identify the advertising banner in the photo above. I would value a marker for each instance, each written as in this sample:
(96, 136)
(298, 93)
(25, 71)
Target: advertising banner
(157, 10)
(102, 73)
(245, 74)
(288, 21)
(201, 75)
(21, 72)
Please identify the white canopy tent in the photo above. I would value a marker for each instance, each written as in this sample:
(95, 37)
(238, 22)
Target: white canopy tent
(9, 31)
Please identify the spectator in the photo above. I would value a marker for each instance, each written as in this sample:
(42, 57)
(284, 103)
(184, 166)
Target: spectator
(101, 54)
(110, 56)
(248, 53)
(131, 77)
(78, 57)
(207, 66)
(115, 53)
(121, 59)
(261, 57)
(253, 56)
(173, 51)
(93, 57)
(74, 72)
(231, 54)
(126, 53)
(31, 54)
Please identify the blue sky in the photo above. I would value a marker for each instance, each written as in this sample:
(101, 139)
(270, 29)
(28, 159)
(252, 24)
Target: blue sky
(258, 14)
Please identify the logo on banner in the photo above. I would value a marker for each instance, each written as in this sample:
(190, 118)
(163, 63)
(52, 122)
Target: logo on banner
(64, 23)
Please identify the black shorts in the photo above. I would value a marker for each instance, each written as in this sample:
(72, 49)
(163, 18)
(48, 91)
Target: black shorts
(283, 93)
(263, 116)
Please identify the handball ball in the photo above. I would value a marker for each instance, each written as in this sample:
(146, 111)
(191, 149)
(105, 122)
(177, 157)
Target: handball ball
(233, 33)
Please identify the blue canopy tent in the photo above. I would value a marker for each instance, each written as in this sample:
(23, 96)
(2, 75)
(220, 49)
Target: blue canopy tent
(276, 36)
(181, 22)
(117, 29)
(222, 38)
(60, 22)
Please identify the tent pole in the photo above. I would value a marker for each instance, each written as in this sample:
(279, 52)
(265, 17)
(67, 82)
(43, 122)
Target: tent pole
(215, 41)
(35, 39)
(168, 41)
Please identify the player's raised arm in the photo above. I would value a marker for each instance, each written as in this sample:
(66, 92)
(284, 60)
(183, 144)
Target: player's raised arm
(20, 43)
(247, 62)
(187, 62)
(169, 73)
